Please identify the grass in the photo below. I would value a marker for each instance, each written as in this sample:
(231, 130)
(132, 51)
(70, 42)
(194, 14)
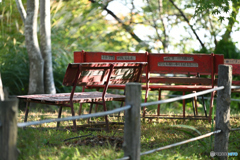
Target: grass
(45, 142)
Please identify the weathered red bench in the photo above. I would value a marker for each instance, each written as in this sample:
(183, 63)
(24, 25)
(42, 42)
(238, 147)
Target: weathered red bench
(190, 67)
(235, 72)
(82, 56)
(88, 74)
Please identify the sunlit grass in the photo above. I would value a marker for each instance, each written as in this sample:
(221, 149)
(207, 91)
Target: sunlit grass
(45, 142)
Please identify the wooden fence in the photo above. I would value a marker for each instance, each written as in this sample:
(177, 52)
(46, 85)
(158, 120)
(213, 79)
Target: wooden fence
(132, 132)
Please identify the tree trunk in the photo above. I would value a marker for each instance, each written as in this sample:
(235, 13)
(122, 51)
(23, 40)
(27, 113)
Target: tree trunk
(36, 63)
(1, 89)
(45, 45)
(226, 36)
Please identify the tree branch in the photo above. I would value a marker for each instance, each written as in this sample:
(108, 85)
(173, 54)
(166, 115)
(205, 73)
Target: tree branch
(160, 7)
(185, 18)
(21, 10)
(155, 24)
(126, 27)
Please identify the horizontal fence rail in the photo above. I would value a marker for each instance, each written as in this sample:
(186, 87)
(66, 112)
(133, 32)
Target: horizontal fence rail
(99, 114)
(175, 144)
(180, 143)
(235, 87)
(182, 97)
(235, 129)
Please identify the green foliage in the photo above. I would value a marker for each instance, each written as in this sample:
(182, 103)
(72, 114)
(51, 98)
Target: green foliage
(74, 27)
(202, 50)
(217, 5)
(13, 57)
(14, 67)
(83, 27)
(228, 49)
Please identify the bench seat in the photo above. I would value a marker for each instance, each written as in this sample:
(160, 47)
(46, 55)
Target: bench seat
(63, 98)
(179, 87)
(87, 74)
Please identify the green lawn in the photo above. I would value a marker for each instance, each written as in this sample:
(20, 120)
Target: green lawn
(45, 142)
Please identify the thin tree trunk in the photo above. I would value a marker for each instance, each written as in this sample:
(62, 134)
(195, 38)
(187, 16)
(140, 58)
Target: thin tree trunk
(45, 44)
(36, 63)
(21, 10)
(226, 36)
(1, 90)
(166, 39)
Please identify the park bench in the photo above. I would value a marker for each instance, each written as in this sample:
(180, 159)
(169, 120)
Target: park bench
(87, 74)
(235, 63)
(86, 57)
(190, 67)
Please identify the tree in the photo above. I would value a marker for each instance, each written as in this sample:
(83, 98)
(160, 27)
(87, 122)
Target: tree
(163, 17)
(40, 61)
(160, 16)
(45, 44)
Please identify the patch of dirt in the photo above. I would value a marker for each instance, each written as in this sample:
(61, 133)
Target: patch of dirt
(98, 141)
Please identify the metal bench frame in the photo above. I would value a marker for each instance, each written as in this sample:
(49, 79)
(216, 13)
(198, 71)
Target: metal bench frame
(88, 74)
(195, 65)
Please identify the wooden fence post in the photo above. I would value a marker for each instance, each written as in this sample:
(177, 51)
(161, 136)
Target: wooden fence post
(8, 129)
(223, 111)
(132, 131)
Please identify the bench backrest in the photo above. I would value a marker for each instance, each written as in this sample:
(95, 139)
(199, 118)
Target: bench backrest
(82, 56)
(188, 64)
(235, 69)
(235, 65)
(102, 73)
(184, 63)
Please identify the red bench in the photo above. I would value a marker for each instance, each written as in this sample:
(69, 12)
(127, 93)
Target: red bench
(192, 65)
(235, 71)
(82, 56)
(88, 74)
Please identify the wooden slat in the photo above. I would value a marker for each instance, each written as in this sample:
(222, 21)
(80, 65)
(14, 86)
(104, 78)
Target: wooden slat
(182, 80)
(180, 87)
(235, 65)
(183, 63)
(82, 56)
(63, 98)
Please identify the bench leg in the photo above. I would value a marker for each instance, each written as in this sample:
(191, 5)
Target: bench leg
(159, 105)
(145, 100)
(196, 107)
(193, 106)
(106, 117)
(73, 114)
(204, 106)
(211, 107)
(80, 106)
(59, 115)
(90, 111)
(183, 106)
(96, 105)
(26, 111)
